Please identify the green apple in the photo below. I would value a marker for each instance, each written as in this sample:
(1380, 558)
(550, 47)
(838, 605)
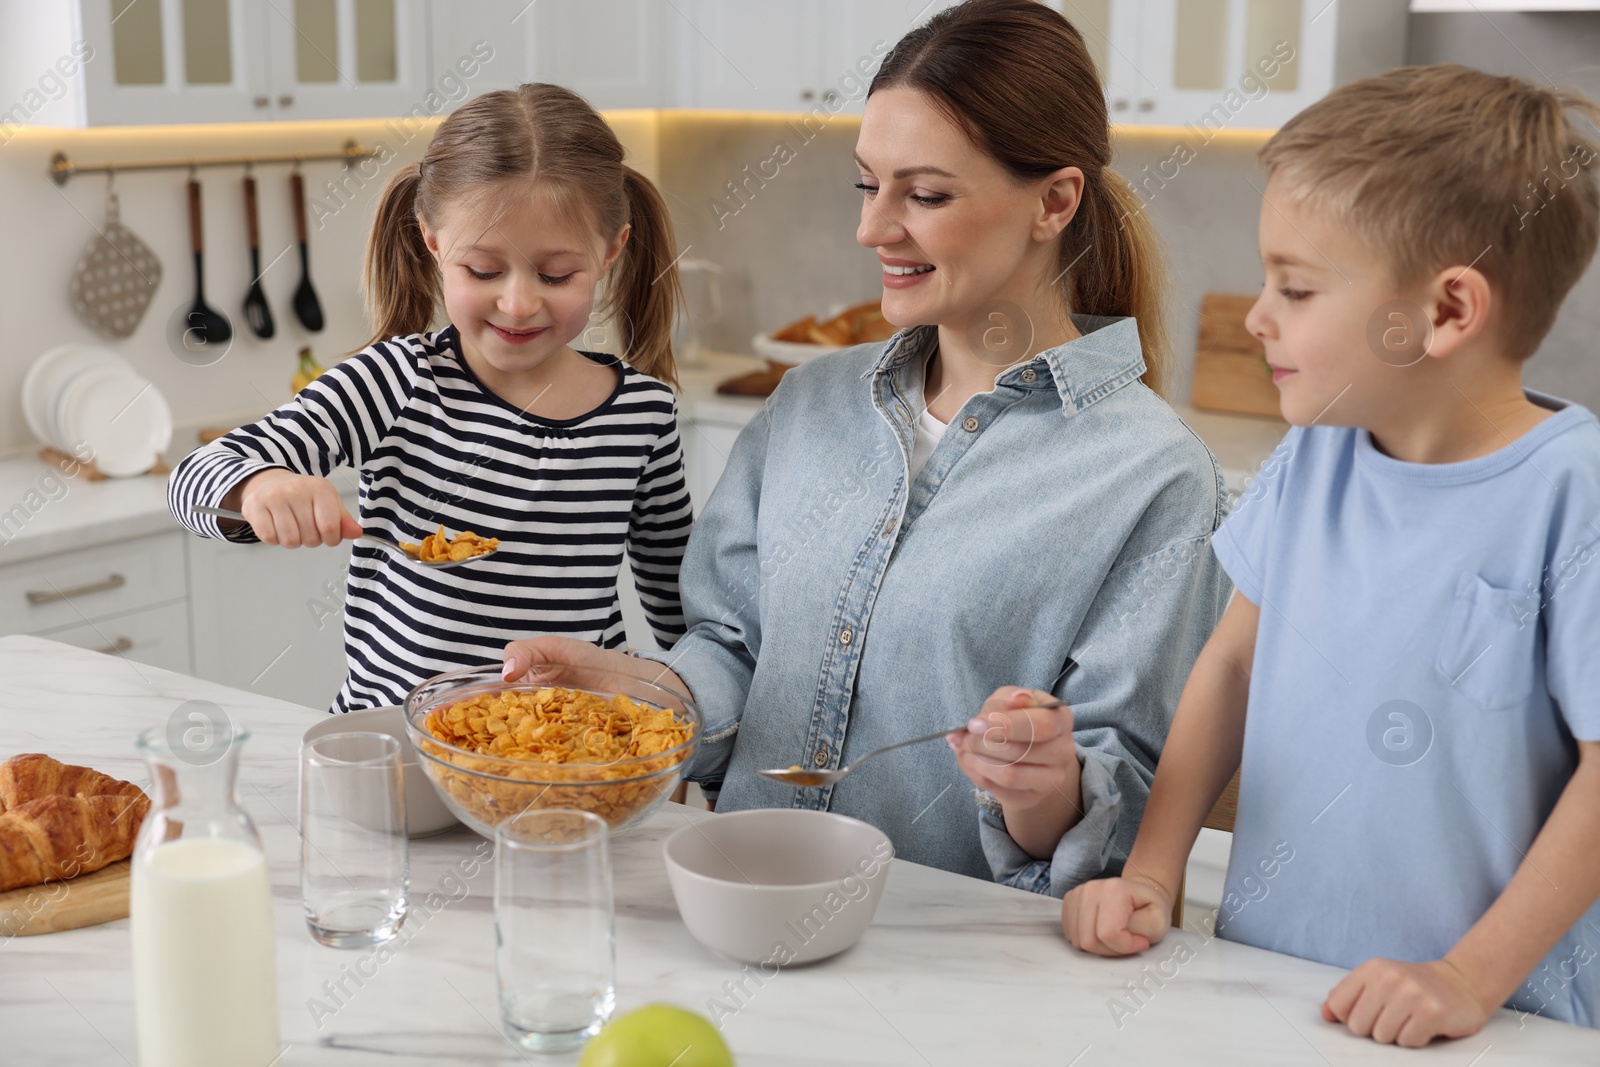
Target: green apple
(658, 1035)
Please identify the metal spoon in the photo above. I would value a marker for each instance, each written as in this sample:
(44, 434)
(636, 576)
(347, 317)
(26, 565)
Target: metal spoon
(381, 542)
(256, 311)
(307, 308)
(212, 328)
(801, 778)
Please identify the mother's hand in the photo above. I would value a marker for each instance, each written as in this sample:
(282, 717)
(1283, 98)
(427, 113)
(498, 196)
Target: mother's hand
(1027, 759)
(525, 660)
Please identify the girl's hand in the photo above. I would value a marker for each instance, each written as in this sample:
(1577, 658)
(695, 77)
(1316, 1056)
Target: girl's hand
(528, 659)
(1406, 1004)
(1116, 916)
(1024, 756)
(289, 509)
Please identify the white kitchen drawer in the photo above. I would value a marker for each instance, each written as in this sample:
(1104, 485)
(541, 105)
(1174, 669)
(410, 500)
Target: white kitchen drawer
(157, 636)
(75, 587)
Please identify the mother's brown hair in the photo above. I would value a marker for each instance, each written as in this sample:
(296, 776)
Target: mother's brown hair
(1016, 77)
(541, 135)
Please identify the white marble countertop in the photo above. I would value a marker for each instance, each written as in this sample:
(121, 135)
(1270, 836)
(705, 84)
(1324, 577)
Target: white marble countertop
(952, 970)
(43, 512)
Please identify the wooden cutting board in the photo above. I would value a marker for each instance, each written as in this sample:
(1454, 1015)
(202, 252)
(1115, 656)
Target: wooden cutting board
(97, 897)
(1230, 364)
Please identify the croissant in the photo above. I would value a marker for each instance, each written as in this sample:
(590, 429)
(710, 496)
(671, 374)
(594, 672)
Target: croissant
(58, 821)
(32, 775)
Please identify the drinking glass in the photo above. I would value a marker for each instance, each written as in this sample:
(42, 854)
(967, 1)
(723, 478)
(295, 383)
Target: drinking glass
(554, 928)
(353, 859)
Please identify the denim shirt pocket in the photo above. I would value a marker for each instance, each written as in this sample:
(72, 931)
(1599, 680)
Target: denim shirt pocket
(1488, 646)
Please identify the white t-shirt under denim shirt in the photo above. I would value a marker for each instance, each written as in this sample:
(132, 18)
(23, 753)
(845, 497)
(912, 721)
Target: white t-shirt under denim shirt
(929, 431)
(1429, 647)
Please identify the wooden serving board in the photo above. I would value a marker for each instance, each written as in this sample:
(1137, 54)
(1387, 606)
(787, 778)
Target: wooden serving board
(97, 897)
(1230, 363)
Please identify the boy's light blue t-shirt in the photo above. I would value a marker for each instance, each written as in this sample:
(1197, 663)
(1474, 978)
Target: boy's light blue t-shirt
(1429, 648)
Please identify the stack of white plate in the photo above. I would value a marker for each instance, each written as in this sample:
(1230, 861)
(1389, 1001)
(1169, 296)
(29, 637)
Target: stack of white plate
(90, 402)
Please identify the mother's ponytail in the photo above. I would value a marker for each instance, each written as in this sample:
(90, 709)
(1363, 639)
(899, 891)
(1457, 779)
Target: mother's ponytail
(399, 278)
(644, 286)
(1113, 265)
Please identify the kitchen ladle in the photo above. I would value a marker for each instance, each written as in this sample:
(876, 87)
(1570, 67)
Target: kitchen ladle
(211, 327)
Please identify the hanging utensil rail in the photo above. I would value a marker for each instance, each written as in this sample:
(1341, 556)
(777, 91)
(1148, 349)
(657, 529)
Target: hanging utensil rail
(62, 167)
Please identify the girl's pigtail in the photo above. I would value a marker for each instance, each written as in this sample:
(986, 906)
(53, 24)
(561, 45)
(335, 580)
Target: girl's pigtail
(644, 283)
(399, 277)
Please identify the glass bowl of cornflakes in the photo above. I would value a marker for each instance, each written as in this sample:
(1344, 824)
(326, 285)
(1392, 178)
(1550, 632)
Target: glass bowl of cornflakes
(597, 740)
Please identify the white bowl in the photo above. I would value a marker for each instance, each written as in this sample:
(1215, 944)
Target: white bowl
(793, 353)
(778, 886)
(426, 814)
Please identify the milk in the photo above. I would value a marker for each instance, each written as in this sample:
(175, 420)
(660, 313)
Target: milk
(205, 982)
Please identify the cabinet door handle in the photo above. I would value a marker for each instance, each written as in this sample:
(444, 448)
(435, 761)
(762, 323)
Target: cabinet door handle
(115, 581)
(286, 100)
(121, 644)
(1119, 104)
(808, 94)
(262, 101)
(830, 97)
(1147, 105)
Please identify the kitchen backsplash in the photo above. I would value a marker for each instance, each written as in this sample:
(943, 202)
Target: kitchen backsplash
(768, 197)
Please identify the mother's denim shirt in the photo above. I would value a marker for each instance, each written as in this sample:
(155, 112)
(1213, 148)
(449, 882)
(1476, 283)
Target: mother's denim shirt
(834, 607)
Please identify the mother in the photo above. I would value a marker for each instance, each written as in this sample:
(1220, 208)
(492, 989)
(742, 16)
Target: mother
(991, 496)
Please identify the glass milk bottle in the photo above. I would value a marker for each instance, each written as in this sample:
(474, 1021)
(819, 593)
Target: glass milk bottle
(205, 982)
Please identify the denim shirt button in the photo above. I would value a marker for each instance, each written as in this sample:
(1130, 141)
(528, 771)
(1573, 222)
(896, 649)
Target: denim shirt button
(1030, 375)
(846, 635)
(970, 423)
(822, 756)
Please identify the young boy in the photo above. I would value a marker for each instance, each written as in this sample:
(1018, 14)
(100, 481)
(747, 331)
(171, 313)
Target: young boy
(1416, 631)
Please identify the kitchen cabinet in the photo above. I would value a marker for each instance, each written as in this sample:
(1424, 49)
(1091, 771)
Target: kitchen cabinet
(141, 62)
(341, 59)
(1235, 64)
(614, 53)
(797, 55)
(128, 597)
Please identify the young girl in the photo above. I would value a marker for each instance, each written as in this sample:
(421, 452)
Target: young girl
(495, 424)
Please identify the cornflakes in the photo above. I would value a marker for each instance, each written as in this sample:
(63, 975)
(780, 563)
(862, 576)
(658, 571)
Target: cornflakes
(572, 748)
(438, 548)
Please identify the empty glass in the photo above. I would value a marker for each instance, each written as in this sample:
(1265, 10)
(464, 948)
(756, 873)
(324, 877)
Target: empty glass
(554, 928)
(353, 859)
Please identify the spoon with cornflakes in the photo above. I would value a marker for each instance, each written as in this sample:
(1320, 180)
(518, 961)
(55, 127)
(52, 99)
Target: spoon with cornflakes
(801, 777)
(436, 550)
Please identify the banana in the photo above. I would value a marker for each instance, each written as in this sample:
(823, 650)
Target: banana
(307, 372)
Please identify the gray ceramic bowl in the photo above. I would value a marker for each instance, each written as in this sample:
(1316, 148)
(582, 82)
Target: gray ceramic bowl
(778, 886)
(426, 814)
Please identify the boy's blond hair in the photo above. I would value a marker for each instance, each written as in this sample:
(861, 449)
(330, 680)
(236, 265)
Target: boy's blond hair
(1446, 166)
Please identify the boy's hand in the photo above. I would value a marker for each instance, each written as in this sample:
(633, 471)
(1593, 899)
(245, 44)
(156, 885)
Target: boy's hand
(1406, 1004)
(291, 509)
(1022, 755)
(1116, 916)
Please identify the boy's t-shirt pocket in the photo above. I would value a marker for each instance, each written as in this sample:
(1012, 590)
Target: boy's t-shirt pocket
(1489, 643)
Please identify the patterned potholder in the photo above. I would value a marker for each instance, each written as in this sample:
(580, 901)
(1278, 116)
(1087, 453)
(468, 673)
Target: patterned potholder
(116, 277)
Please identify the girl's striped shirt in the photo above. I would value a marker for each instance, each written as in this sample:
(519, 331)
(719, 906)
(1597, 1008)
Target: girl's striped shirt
(433, 446)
